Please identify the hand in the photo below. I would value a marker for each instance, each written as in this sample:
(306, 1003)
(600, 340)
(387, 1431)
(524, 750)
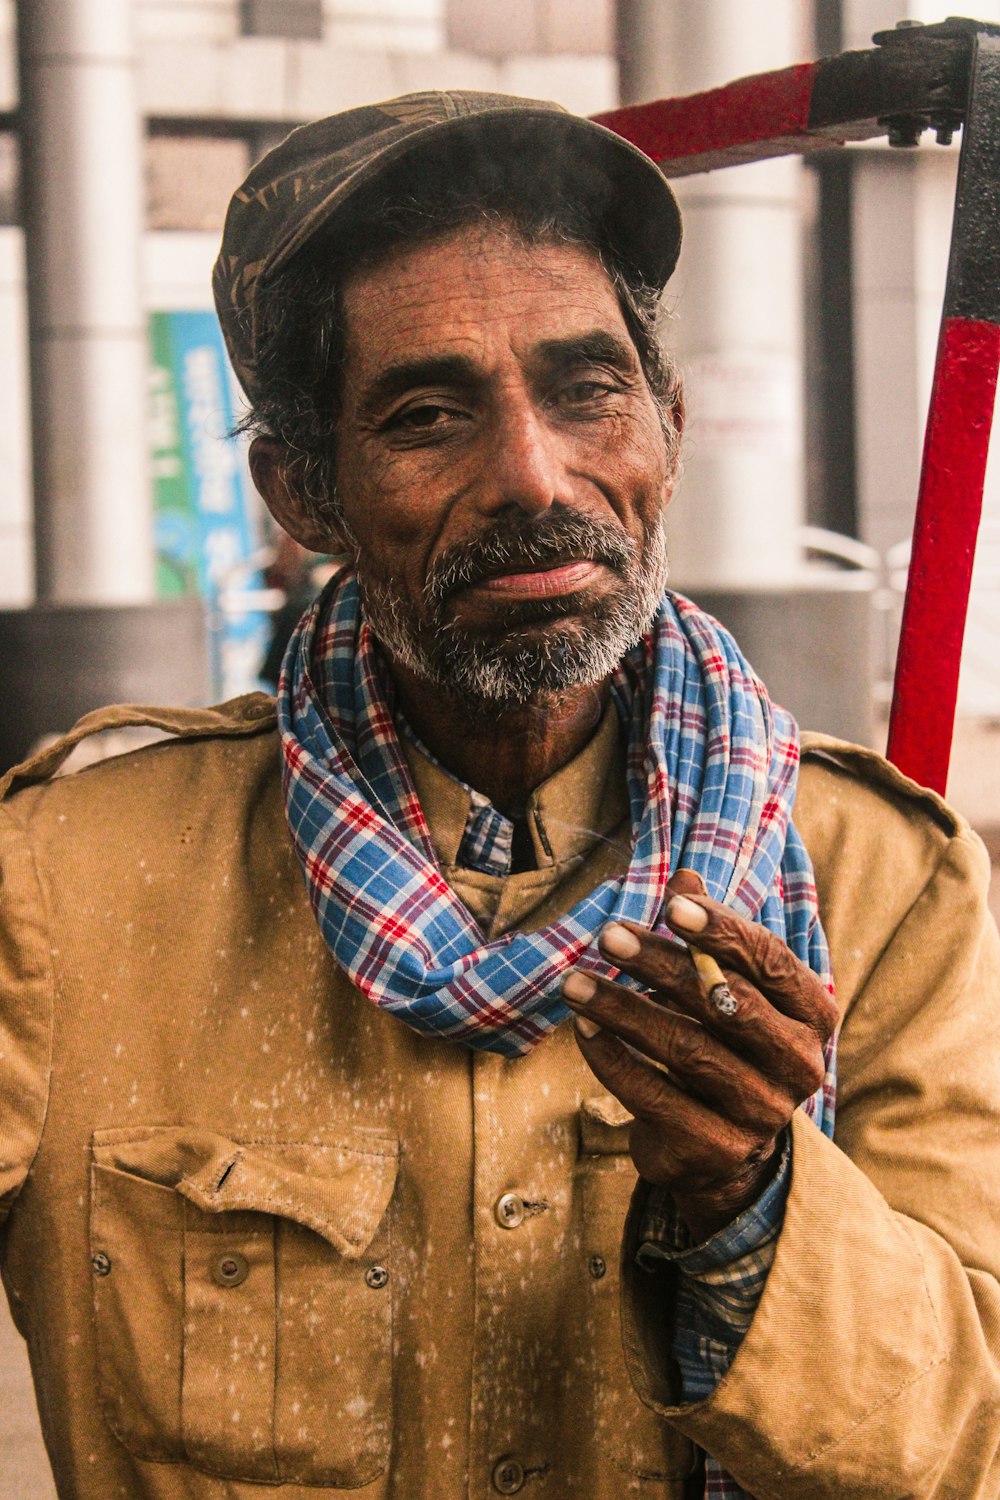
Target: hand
(707, 1128)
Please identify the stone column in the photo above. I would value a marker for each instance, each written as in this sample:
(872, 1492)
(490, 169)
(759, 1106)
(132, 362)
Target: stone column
(83, 208)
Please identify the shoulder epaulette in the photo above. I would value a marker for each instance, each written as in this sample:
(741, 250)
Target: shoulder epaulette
(252, 713)
(867, 765)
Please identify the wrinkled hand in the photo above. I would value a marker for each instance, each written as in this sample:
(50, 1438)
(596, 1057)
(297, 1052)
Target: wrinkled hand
(707, 1128)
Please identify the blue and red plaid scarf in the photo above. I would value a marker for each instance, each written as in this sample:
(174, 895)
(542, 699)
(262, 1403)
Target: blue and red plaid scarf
(712, 767)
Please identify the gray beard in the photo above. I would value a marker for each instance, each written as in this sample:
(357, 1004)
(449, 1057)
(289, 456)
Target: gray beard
(541, 655)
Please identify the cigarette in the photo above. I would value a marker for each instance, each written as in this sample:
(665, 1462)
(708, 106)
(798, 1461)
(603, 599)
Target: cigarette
(714, 983)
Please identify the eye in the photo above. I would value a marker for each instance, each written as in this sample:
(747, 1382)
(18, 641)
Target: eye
(425, 421)
(422, 416)
(584, 392)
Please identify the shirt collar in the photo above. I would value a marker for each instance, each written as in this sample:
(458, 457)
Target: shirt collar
(584, 801)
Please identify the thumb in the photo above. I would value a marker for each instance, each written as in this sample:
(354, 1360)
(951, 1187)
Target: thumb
(686, 883)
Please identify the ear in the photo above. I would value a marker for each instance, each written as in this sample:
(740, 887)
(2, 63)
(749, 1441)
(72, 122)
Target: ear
(678, 411)
(274, 475)
(676, 415)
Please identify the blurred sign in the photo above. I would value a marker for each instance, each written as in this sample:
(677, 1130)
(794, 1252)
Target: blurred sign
(746, 402)
(206, 533)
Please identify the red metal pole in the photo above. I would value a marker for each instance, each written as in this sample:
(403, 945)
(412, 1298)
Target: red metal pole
(765, 115)
(939, 74)
(956, 445)
(949, 505)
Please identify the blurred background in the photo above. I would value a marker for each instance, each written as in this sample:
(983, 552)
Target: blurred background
(135, 561)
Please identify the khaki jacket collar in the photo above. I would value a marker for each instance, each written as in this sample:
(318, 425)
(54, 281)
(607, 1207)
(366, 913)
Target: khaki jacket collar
(584, 801)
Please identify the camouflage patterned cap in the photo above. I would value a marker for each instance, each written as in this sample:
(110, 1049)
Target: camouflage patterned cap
(302, 184)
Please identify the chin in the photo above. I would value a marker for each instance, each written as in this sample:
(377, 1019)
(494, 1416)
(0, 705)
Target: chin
(538, 663)
(517, 653)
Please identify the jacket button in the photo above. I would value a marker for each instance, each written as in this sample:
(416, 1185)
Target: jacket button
(509, 1212)
(376, 1276)
(230, 1269)
(101, 1263)
(508, 1476)
(598, 1267)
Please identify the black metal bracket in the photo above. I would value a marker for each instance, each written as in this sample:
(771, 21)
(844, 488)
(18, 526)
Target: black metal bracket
(944, 117)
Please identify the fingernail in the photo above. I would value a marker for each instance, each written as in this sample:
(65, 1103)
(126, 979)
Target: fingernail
(619, 942)
(586, 1028)
(685, 914)
(579, 987)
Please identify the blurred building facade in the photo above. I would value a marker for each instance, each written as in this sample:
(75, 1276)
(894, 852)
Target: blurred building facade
(216, 82)
(843, 293)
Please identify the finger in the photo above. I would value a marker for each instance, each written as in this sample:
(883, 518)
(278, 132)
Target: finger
(750, 949)
(646, 1091)
(755, 952)
(788, 1052)
(693, 1146)
(697, 1061)
(783, 1047)
(675, 971)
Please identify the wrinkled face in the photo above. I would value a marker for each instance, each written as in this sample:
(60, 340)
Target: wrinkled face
(502, 468)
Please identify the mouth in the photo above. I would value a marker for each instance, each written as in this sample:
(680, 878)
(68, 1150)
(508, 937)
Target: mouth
(540, 582)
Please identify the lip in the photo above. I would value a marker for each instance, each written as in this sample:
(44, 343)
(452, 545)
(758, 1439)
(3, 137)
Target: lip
(539, 583)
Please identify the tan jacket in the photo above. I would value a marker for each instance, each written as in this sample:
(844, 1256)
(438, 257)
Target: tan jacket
(253, 1232)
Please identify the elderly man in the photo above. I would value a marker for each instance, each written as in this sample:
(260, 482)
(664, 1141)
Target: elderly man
(311, 1180)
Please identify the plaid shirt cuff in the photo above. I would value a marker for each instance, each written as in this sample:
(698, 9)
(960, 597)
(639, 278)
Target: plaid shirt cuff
(721, 1281)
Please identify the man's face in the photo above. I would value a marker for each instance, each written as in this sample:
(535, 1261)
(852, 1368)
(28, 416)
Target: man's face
(501, 465)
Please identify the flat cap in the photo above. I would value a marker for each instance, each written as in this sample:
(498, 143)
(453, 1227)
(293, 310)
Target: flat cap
(306, 182)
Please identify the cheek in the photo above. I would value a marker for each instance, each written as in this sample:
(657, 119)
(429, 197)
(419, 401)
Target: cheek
(393, 519)
(631, 459)
(375, 498)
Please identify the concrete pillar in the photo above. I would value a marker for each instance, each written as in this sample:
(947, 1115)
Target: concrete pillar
(16, 564)
(83, 206)
(901, 212)
(738, 330)
(736, 529)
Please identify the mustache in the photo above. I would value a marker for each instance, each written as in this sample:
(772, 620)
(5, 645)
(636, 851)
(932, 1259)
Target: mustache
(516, 545)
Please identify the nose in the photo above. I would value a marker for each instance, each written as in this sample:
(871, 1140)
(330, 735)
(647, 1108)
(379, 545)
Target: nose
(525, 466)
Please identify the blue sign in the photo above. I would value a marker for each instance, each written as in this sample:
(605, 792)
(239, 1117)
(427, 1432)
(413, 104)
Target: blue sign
(206, 532)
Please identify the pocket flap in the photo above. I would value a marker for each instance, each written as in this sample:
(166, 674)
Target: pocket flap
(604, 1126)
(340, 1189)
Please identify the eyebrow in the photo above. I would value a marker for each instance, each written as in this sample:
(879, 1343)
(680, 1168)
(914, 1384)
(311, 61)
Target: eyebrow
(597, 347)
(461, 372)
(455, 370)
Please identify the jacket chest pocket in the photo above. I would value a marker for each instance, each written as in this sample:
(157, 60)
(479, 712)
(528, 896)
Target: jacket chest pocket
(243, 1302)
(634, 1438)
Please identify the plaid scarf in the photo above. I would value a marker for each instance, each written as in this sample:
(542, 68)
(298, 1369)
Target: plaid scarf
(712, 769)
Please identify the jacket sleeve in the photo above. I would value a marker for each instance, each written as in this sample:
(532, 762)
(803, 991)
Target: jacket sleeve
(26, 994)
(872, 1365)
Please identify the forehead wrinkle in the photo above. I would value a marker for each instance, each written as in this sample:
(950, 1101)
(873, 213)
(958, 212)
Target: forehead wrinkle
(470, 302)
(478, 261)
(467, 312)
